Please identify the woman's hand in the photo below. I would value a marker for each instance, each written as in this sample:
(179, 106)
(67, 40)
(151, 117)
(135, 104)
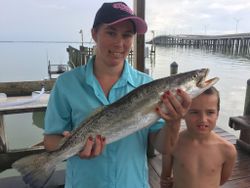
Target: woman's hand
(172, 109)
(176, 109)
(92, 148)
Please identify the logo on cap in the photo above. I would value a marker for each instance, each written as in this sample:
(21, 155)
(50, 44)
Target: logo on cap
(122, 7)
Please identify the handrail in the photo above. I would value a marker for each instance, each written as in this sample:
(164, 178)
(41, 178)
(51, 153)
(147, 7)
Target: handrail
(23, 101)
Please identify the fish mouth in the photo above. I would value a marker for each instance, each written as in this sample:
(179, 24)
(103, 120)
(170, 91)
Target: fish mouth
(203, 83)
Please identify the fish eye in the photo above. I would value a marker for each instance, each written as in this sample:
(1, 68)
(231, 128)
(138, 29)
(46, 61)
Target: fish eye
(195, 76)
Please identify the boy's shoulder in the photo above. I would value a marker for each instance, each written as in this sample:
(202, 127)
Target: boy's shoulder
(227, 147)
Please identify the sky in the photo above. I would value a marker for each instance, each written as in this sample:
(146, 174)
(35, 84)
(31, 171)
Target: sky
(61, 20)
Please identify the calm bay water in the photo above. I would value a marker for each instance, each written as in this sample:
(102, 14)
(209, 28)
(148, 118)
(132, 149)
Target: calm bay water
(25, 62)
(232, 71)
(28, 61)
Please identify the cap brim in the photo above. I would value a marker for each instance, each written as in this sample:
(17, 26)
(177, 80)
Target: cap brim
(140, 24)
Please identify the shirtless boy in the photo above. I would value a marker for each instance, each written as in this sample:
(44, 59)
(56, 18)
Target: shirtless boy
(200, 158)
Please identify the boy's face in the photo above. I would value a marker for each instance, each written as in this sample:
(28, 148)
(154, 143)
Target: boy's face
(203, 114)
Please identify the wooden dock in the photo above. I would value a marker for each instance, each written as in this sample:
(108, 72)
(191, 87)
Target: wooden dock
(241, 172)
(235, 44)
(239, 179)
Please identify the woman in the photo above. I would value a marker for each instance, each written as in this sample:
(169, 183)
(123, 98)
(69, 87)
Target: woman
(103, 80)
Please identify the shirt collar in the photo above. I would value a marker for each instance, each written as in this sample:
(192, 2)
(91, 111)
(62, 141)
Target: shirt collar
(126, 77)
(90, 77)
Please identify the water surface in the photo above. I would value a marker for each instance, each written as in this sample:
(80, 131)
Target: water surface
(233, 73)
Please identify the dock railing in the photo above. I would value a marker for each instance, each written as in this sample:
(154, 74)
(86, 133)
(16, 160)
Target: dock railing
(242, 123)
(7, 155)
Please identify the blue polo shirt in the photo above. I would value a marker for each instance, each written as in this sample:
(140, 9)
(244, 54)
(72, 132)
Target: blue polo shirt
(76, 94)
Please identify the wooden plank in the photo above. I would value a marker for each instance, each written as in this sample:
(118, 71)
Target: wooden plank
(239, 183)
(24, 88)
(11, 156)
(56, 181)
(154, 179)
(241, 170)
(139, 45)
(3, 145)
(39, 105)
(239, 122)
(242, 123)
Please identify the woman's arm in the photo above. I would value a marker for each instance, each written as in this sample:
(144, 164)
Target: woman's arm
(165, 139)
(91, 148)
(51, 142)
(166, 180)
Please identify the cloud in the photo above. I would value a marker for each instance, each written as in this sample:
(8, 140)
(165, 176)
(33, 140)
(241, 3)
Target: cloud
(62, 20)
(197, 16)
(231, 6)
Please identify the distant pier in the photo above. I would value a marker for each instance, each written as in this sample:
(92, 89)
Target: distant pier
(235, 44)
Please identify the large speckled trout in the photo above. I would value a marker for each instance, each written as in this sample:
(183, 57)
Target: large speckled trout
(131, 113)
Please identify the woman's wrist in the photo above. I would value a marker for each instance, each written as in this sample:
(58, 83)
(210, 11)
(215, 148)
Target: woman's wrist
(166, 182)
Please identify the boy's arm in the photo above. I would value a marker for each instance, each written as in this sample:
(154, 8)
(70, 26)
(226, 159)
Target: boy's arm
(166, 180)
(228, 164)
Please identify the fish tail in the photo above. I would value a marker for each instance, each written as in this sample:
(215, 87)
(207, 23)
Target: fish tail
(35, 169)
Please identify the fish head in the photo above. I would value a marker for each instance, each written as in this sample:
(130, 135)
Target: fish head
(195, 82)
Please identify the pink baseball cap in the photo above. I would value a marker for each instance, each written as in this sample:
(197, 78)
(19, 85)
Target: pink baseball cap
(115, 12)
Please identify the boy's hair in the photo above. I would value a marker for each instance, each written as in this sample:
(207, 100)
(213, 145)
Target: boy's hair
(213, 91)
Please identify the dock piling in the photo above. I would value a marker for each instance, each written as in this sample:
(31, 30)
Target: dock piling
(173, 68)
(3, 144)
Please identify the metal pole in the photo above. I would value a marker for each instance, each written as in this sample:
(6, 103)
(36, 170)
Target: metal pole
(81, 32)
(237, 20)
